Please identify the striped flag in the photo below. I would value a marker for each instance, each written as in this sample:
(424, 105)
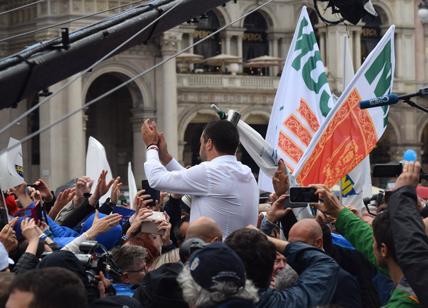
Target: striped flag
(349, 133)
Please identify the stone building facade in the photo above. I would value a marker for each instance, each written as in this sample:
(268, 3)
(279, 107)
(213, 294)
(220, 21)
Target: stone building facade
(179, 97)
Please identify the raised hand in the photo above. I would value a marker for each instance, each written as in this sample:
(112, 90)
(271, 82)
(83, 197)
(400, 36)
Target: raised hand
(277, 210)
(8, 236)
(101, 189)
(410, 175)
(165, 227)
(30, 230)
(149, 132)
(62, 200)
(83, 186)
(330, 204)
(280, 180)
(100, 225)
(44, 190)
(115, 190)
(142, 215)
(142, 200)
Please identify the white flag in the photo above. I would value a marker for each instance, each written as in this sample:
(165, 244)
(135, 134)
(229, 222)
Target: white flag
(132, 186)
(12, 166)
(302, 101)
(96, 161)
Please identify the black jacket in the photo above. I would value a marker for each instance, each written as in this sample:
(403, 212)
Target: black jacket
(410, 240)
(347, 291)
(316, 284)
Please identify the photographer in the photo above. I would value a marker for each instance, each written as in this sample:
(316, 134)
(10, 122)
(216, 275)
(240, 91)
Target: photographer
(131, 259)
(410, 239)
(377, 243)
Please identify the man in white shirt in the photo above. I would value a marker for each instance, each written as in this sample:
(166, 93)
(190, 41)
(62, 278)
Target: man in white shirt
(221, 187)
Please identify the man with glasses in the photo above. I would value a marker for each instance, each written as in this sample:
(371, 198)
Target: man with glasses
(131, 259)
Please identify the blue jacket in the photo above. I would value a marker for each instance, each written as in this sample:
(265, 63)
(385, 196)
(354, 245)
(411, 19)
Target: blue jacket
(316, 284)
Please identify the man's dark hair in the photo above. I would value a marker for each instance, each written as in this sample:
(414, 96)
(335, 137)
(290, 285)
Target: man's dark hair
(257, 253)
(52, 287)
(382, 232)
(224, 136)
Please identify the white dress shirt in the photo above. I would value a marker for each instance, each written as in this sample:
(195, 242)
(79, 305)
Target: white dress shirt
(223, 189)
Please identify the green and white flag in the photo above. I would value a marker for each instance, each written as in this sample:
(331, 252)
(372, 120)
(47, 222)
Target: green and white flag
(302, 101)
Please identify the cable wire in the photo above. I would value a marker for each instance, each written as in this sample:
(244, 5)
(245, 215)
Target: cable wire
(67, 21)
(21, 7)
(70, 114)
(7, 126)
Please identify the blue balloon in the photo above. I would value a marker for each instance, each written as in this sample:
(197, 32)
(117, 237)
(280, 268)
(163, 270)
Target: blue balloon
(410, 155)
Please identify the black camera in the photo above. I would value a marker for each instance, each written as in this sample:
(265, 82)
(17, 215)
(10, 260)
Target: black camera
(392, 170)
(376, 200)
(95, 258)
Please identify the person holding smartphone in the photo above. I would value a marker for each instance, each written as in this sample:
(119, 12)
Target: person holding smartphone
(221, 187)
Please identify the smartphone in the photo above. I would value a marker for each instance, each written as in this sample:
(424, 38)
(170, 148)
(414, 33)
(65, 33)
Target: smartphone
(387, 170)
(303, 195)
(154, 194)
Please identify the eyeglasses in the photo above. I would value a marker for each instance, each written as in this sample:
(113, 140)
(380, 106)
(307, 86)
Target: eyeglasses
(143, 269)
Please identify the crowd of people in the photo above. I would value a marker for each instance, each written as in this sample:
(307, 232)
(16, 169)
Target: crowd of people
(207, 242)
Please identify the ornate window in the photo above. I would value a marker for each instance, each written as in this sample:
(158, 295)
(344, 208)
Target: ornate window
(255, 42)
(372, 31)
(212, 46)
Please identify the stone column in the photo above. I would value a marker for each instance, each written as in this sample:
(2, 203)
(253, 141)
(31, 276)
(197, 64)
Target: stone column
(225, 38)
(62, 146)
(167, 108)
(322, 47)
(240, 52)
(75, 130)
(273, 40)
(357, 48)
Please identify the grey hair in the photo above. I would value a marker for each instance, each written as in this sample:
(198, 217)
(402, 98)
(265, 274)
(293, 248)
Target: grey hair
(197, 296)
(128, 255)
(285, 278)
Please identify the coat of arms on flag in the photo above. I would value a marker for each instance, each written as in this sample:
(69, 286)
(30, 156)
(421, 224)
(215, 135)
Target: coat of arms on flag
(349, 133)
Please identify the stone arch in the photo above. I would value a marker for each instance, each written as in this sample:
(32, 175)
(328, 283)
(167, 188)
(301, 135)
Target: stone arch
(422, 123)
(247, 114)
(190, 115)
(386, 148)
(190, 129)
(222, 15)
(110, 119)
(138, 87)
(383, 9)
(267, 13)
(393, 123)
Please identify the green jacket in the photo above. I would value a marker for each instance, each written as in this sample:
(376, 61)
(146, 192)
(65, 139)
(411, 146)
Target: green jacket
(360, 234)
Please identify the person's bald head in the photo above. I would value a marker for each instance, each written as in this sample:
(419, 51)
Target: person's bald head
(206, 229)
(308, 231)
